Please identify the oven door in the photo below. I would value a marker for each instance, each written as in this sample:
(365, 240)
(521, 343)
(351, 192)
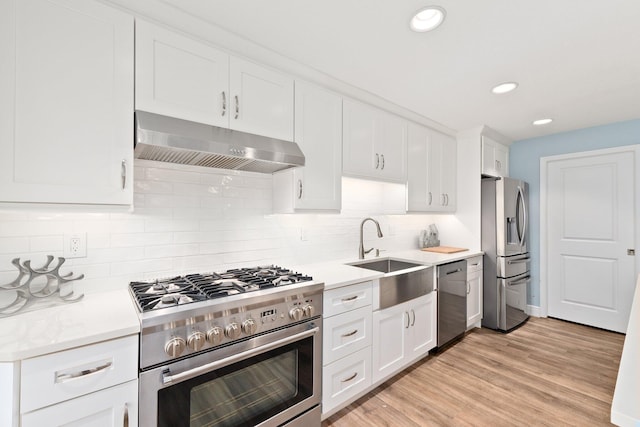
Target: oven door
(266, 380)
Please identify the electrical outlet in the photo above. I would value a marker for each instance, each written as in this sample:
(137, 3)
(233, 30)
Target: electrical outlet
(75, 245)
(303, 235)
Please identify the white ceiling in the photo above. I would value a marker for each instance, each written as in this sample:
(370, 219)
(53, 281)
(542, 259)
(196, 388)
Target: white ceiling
(577, 61)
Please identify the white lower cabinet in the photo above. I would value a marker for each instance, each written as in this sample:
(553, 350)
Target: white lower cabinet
(346, 359)
(94, 385)
(346, 333)
(115, 406)
(345, 379)
(401, 334)
(474, 291)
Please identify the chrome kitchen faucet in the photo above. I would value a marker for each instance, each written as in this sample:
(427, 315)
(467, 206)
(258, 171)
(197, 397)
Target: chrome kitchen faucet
(361, 251)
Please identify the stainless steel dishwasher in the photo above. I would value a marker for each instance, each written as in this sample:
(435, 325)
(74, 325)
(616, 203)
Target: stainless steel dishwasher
(452, 301)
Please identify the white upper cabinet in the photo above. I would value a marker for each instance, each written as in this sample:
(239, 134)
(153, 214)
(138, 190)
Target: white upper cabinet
(431, 168)
(374, 143)
(261, 100)
(66, 102)
(191, 80)
(495, 158)
(318, 131)
(179, 77)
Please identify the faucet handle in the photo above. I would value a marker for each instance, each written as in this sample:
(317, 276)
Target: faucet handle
(378, 251)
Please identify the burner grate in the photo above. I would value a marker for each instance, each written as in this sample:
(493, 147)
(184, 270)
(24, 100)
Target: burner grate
(179, 290)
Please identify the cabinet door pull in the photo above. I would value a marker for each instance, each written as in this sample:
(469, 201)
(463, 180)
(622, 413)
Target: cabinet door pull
(224, 103)
(123, 173)
(349, 298)
(299, 189)
(377, 160)
(350, 334)
(446, 199)
(430, 198)
(237, 107)
(442, 201)
(60, 378)
(346, 380)
(408, 320)
(413, 317)
(382, 156)
(468, 288)
(125, 419)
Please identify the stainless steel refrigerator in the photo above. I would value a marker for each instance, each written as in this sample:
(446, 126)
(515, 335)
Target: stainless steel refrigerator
(505, 216)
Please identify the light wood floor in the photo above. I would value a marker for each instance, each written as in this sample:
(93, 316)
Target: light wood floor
(546, 373)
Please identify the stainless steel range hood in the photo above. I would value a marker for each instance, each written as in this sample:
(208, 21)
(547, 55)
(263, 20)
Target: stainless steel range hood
(172, 140)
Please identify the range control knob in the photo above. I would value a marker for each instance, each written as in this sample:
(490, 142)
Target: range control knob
(232, 331)
(174, 347)
(296, 313)
(214, 335)
(308, 310)
(249, 327)
(196, 340)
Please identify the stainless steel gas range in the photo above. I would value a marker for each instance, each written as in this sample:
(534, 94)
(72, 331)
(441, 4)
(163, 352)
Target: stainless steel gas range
(237, 348)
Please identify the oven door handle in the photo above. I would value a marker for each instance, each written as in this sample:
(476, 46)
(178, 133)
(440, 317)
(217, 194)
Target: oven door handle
(167, 378)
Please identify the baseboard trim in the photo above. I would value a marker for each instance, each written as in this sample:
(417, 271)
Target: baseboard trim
(533, 310)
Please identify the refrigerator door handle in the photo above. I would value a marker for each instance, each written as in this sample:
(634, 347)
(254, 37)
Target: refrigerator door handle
(520, 281)
(517, 261)
(524, 217)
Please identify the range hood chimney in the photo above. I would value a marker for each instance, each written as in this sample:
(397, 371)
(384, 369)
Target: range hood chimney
(172, 140)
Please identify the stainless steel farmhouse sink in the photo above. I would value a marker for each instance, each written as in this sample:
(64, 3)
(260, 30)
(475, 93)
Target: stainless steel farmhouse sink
(385, 265)
(402, 280)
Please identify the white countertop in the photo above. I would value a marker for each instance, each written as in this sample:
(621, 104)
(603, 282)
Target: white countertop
(336, 274)
(625, 408)
(97, 317)
(108, 315)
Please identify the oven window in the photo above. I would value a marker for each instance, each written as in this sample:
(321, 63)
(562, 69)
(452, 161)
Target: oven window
(243, 394)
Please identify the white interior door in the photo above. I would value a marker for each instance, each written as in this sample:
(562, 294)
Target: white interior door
(590, 228)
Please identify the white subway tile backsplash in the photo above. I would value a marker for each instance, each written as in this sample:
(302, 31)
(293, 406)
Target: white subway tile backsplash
(53, 244)
(170, 175)
(168, 251)
(153, 187)
(187, 219)
(11, 245)
(123, 240)
(137, 268)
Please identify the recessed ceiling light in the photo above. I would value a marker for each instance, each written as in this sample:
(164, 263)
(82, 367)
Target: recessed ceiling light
(427, 19)
(504, 88)
(541, 122)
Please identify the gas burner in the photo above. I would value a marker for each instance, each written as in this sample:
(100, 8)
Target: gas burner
(179, 290)
(151, 302)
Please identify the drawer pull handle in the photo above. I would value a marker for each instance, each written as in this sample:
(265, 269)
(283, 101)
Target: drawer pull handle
(346, 380)
(350, 334)
(350, 298)
(60, 378)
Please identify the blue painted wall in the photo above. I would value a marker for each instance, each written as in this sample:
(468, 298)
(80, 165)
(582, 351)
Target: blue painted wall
(524, 163)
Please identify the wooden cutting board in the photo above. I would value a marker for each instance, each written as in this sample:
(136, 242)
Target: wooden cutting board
(444, 249)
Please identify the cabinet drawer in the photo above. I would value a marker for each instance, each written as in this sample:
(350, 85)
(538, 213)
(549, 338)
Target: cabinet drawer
(108, 407)
(474, 264)
(345, 378)
(345, 334)
(56, 377)
(348, 298)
